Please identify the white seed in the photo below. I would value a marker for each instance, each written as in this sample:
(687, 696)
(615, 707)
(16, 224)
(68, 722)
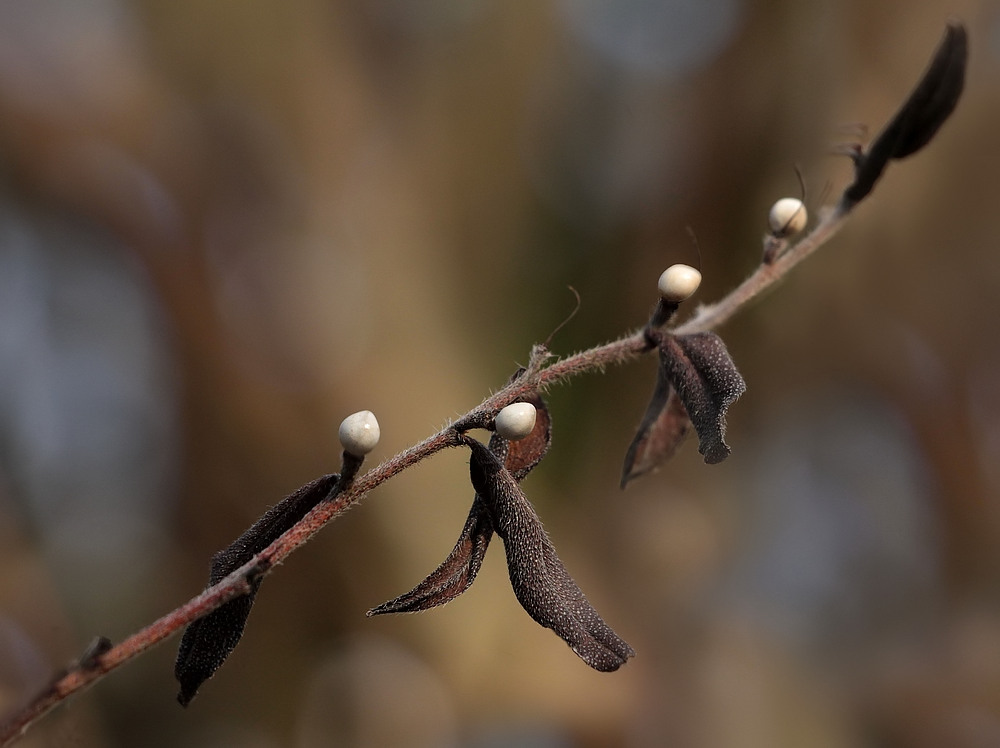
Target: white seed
(359, 433)
(678, 282)
(788, 216)
(515, 421)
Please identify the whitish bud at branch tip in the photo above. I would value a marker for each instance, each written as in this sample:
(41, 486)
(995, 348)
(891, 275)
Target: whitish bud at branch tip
(788, 216)
(678, 283)
(359, 433)
(515, 421)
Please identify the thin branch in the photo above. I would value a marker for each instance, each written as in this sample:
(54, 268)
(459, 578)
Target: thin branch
(930, 104)
(88, 670)
(715, 315)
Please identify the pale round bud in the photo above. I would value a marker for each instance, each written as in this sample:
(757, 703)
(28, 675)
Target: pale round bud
(359, 433)
(788, 216)
(515, 421)
(678, 282)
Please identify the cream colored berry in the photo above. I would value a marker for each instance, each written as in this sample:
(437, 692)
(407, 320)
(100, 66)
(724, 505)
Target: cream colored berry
(515, 421)
(359, 433)
(678, 282)
(788, 216)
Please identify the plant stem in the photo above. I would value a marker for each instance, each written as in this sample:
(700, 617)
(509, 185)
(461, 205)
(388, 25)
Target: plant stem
(765, 276)
(84, 673)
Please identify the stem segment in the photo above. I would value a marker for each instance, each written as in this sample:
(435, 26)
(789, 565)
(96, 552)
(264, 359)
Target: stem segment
(88, 670)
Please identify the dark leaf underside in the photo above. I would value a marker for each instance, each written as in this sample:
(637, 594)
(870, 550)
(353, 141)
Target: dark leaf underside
(539, 580)
(457, 572)
(696, 383)
(918, 120)
(664, 426)
(707, 382)
(208, 641)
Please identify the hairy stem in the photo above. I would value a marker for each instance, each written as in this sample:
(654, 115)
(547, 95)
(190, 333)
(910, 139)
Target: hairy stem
(766, 275)
(930, 104)
(538, 375)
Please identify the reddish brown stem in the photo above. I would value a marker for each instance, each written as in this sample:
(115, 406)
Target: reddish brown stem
(82, 674)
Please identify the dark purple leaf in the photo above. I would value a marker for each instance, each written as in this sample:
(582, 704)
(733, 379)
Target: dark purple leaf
(539, 580)
(455, 574)
(208, 641)
(918, 120)
(663, 428)
(707, 382)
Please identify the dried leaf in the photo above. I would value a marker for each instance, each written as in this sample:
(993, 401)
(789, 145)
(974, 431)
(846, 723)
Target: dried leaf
(707, 382)
(663, 428)
(918, 120)
(208, 641)
(539, 580)
(455, 574)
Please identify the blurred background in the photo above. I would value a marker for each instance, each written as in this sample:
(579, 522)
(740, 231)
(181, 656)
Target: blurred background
(224, 226)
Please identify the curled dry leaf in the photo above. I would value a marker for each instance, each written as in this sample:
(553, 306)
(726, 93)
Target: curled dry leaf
(208, 641)
(696, 383)
(707, 382)
(918, 120)
(539, 580)
(455, 574)
(458, 571)
(664, 426)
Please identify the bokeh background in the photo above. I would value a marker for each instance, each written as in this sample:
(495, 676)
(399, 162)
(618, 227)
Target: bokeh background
(226, 225)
